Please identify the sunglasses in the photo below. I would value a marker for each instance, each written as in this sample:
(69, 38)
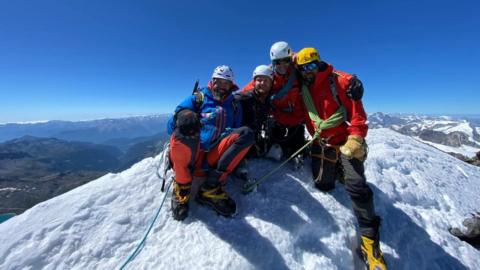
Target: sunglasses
(308, 67)
(287, 60)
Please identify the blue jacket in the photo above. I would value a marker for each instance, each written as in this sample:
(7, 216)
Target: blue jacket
(218, 118)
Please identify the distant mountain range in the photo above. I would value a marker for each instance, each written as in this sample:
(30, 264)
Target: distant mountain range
(94, 131)
(48, 159)
(460, 135)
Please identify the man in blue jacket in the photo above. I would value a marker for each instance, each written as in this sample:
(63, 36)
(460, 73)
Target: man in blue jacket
(206, 135)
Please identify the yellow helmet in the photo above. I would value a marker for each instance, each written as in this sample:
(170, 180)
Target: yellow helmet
(307, 55)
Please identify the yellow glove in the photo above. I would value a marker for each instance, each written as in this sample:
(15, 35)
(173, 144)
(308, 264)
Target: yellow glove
(354, 147)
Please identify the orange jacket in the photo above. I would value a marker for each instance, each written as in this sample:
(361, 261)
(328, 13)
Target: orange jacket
(326, 106)
(287, 110)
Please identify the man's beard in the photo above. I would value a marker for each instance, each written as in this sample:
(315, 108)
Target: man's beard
(220, 94)
(308, 81)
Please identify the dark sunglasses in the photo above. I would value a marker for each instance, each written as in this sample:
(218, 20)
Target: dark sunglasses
(287, 60)
(308, 67)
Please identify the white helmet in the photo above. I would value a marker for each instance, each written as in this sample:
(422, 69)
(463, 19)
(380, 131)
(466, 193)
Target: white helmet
(280, 50)
(263, 70)
(223, 72)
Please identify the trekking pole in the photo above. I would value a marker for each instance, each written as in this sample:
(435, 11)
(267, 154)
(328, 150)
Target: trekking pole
(248, 187)
(165, 160)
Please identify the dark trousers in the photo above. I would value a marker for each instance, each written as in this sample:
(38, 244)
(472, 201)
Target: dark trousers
(290, 138)
(329, 165)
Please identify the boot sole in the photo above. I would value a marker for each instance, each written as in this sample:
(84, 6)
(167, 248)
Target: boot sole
(177, 216)
(212, 206)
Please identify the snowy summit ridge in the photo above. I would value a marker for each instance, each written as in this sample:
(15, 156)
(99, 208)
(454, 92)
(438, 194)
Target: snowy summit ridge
(286, 224)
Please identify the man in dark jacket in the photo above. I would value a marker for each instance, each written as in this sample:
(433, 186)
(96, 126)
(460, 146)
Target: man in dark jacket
(256, 108)
(255, 105)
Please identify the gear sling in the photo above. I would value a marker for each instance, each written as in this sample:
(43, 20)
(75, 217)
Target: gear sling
(334, 120)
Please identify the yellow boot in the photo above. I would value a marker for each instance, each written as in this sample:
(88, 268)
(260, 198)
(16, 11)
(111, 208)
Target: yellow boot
(180, 198)
(372, 254)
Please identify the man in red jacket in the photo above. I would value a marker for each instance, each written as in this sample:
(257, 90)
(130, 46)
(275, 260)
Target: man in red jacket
(288, 130)
(334, 112)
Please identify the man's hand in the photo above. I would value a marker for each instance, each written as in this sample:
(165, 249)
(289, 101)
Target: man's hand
(355, 89)
(354, 148)
(187, 123)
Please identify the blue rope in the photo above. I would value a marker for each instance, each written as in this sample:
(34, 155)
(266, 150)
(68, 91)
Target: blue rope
(141, 244)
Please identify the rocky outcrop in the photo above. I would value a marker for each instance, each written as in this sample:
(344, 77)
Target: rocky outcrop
(455, 139)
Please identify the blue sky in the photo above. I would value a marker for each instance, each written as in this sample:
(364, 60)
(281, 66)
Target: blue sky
(84, 59)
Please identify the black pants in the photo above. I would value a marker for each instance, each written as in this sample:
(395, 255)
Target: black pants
(336, 166)
(289, 138)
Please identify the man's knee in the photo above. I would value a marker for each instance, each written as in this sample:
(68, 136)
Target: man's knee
(246, 136)
(187, 123)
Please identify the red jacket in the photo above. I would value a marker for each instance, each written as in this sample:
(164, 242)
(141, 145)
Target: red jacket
(287, 110)
(326, 106)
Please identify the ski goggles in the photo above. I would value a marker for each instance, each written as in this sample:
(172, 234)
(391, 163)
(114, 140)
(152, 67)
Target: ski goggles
(286, 60)
(308, 67)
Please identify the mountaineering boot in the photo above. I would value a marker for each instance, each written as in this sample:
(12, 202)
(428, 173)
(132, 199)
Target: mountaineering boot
(297, 162)
(275, 152)
(372, 255)
(216, 197)
(180, 198)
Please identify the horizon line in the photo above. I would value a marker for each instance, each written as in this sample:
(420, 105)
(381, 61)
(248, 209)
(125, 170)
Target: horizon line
(33, 122)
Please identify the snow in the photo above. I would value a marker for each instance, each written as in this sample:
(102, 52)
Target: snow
(8, 189)
(25, 122)
(462, 126)
(128, 116)
(285, 224)
(465, 150)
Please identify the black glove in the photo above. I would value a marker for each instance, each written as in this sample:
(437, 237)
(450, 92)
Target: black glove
(355, 89)
(187, 123)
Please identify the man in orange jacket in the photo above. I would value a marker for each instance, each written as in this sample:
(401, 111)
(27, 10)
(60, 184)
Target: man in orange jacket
(286, 108)
(334, 111)
(288, 130)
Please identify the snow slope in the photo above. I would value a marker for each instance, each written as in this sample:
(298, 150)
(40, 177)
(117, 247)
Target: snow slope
(465, 150)
(285, 224)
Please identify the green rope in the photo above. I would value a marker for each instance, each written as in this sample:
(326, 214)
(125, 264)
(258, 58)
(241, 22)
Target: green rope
(247, 188)
(333, 121)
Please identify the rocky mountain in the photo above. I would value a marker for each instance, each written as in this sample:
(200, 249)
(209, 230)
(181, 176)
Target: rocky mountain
(140, 148)
(460, 135)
